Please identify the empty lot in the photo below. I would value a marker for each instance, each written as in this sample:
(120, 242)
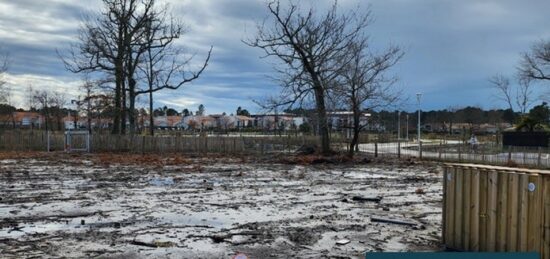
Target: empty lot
(129, 206)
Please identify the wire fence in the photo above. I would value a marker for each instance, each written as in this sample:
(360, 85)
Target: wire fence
(228, 144)
(442, 150)
(456, 151)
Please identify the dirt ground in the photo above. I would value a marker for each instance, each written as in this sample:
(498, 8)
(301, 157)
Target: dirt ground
(124, 206)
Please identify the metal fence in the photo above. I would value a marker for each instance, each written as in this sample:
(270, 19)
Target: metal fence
(456, 151)
(450, 151)
(230, 144)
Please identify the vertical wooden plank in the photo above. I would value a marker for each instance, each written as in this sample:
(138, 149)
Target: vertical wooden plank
(445, 212)
(459, 214)
(502, 209)
(512, 232)
(466, 208)
(483, 197)
(546, 215)
(523, 210)
(474, 210)
(533, 217)
(492, 210)
(449, 209)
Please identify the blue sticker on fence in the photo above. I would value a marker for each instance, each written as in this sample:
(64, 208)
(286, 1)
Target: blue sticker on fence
(451, 255)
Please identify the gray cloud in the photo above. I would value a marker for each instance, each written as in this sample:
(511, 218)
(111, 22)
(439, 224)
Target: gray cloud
(452, 46)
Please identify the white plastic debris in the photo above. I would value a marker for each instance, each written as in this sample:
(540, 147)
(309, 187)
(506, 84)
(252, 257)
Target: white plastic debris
(343, 242)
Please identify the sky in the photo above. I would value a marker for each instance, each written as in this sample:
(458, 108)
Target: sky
(451, 48)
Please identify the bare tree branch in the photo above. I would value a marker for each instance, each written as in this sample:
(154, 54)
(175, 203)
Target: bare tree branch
(363, 83)
(535, 64)
(311, 48)
(503, 89)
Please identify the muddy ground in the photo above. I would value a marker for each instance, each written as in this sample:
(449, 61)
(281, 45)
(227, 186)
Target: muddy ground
(85, 206)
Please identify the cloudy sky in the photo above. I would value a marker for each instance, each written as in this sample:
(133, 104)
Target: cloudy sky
(452, 47)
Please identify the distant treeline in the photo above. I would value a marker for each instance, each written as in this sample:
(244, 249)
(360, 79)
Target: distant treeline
(469, 115)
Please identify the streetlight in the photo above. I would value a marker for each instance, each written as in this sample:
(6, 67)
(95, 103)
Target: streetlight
(418, 96)
(407, 127)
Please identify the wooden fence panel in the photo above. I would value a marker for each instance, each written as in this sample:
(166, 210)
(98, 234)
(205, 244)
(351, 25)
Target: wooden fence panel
(496, 209)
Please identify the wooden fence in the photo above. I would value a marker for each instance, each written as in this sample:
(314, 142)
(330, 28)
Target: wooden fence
(231, 144)
(502, 209)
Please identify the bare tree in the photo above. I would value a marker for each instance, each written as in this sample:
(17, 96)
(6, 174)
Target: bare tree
(4, 91)
(535, 64)
(503, 88)
(311, 47)
(29, 96)
(119, 41)
(522, 96)
(163, 65)
(89, 101)
(364, 85)
(42, 98)
(107, 44)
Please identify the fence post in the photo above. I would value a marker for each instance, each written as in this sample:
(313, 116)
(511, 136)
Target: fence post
(539, 157)
(206, 144)
(398, 148)
(524, 159)
(48, 140)
(375, 149)
(288, 143)
(460, 153)
(420, 150)
(88, 142)
(439, 151)
(143, 144)
(262, 145)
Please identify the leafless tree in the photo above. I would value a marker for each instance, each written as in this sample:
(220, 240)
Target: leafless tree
(503, 89)
(535, 64)
(51, 104)
(89, 101)
(311, 47)
(118, 42)
(4, 91)
(106, 44)
(29, 96)
(522, 96)
(42, 98)
(363, 83)
(163, 65)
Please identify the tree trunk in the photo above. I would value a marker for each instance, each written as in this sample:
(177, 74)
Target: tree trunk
(151, 115)
(131, 111)
(323, 123)
(356, 128)
(123, 110)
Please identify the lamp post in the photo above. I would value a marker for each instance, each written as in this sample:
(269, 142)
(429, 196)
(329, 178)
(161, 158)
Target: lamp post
(407, 127)
(418, 96)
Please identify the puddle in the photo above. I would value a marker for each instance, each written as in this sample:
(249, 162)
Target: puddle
(168, 181)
